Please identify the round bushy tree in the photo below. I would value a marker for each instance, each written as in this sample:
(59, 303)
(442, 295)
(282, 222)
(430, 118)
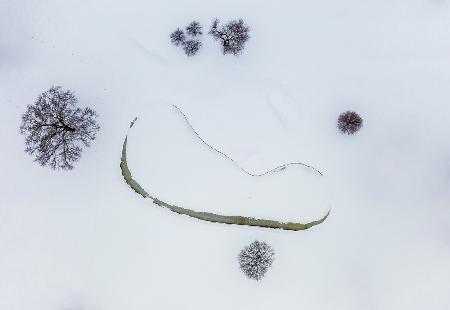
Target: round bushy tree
(349, 122)
(177, 37)
(56, 130)
(255, 259)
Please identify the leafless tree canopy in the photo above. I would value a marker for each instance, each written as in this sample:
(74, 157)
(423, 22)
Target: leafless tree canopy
(256, 259)
(349, 122)
(56, 130)
(194, 29)
(191, 47)
(232, 36)
(177, 37)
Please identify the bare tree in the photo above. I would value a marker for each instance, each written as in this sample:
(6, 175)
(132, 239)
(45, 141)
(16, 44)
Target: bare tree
(349, 122)
(56, 130)
(256, 259)
(232, 36)
(177, 37)
(191, 47)
(194, 29)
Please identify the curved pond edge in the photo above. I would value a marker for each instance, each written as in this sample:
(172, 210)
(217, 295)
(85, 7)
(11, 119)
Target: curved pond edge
(207, 216)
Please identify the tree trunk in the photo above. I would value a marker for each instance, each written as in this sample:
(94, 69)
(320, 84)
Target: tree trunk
(68, 128)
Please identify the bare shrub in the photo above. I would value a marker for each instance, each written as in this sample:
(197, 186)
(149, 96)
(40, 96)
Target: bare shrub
(232, 36)
(255, 259)
(191, 47)
(194, 29)
(177, 37)
(349, 122)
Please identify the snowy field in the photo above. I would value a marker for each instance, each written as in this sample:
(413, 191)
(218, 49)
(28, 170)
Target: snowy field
(83, 240)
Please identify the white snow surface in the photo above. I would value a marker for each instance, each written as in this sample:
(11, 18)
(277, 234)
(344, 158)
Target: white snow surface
(83, 240)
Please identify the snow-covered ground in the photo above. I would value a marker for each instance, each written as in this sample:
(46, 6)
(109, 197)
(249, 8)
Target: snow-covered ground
(83, 240)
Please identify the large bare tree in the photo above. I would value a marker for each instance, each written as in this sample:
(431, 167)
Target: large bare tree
(56, 129)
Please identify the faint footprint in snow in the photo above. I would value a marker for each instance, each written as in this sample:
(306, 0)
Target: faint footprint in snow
(438, 2)
(152, 55)
(281, 106)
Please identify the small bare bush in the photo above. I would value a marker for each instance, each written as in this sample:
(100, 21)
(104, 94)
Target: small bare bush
(177, 37)
(194, 29)
(349, 122)
(255, 259)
